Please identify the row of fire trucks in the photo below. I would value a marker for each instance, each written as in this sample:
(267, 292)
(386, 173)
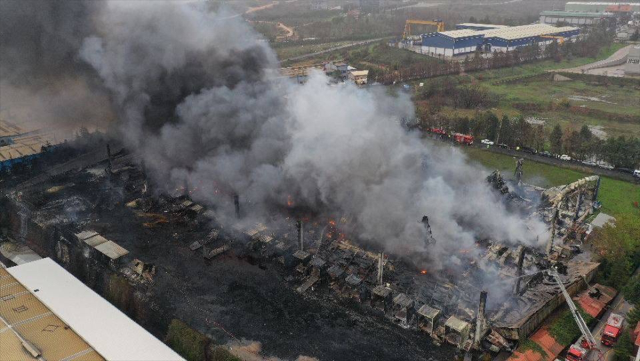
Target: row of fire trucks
(460, 138)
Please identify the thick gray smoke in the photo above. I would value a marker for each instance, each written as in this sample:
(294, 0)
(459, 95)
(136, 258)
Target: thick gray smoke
(199, 100)
(43, 81)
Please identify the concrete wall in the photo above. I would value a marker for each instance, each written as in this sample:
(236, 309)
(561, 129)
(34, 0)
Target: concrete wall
(632, 66)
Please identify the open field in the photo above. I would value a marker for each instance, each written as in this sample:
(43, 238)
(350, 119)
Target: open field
(372, 56)
(284, 51)
(617, 197)
(613, 109)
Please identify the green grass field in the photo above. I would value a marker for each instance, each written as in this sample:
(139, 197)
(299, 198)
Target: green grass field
(617, 196)
(611, 102)
(542, 66)
(284, 52)
(371, 56)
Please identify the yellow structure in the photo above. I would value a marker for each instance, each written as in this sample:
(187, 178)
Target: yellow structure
(407, 26)
(559, 38)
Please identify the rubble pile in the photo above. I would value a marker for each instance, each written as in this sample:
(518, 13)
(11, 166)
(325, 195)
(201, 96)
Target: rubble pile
(317, 258)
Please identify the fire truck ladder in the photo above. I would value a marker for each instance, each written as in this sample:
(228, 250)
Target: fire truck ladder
(586, 333)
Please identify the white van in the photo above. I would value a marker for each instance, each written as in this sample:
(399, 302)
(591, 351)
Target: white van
(636, 173)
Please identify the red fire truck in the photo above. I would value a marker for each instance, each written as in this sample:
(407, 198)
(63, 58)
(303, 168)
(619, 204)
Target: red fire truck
(612, 330)
(577, 353)
(463, 138)
(439, 131)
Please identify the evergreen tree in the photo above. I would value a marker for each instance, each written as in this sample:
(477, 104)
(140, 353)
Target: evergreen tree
(633, 317)
(556, 139)
(505, 135)
(623, 349)
(493, 126)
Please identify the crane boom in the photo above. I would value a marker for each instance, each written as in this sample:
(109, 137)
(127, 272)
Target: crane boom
(407, 26)
(586, 333)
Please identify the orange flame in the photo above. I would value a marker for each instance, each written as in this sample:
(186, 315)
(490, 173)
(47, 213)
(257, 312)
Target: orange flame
(424, 272)
(290, 201)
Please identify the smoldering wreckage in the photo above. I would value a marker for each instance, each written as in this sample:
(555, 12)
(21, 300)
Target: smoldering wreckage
(235, 193)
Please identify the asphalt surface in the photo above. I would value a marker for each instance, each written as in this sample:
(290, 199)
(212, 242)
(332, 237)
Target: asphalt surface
(575, 165)
(619, 306)
(592, 68)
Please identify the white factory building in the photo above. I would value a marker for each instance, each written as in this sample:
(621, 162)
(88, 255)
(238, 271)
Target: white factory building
(48, 314)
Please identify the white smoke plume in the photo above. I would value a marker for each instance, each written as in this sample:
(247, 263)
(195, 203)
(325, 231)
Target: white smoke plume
(199, 100)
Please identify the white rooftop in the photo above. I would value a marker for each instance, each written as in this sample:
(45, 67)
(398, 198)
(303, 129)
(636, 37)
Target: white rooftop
(509, 32)
(525, 31)
(107, 330)
(484, 25)
(461, 33)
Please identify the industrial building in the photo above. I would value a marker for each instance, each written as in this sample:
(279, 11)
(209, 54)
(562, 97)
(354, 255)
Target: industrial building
(38, 320)
(20, 146)
(465, 40)
(128, 241)
(600, 7)
(588, 13)
(574, 17)
(474, 26)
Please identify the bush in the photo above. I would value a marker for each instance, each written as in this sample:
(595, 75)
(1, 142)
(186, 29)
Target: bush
(623, 349)
(530, 345)
(186, 341)
(565, 103)
(565, 330)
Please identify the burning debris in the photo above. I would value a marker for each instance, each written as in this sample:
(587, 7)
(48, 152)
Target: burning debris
(271, 146)
(323, 259)
(318, 184)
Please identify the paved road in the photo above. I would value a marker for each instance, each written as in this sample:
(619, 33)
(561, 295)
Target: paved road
(305, 56)
(561, 163)
(619, 306)
(592, 68)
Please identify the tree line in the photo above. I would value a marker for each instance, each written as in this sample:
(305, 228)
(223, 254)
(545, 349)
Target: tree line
(580, 144)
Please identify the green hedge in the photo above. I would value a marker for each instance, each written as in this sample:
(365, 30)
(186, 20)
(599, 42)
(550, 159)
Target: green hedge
(565, 330)
(186, 341)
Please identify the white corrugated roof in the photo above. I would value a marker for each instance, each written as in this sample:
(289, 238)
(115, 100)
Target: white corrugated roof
(110, 332)
(525, 31)
(598, 3)
(460, 33)
(484, 25)
(509, 32)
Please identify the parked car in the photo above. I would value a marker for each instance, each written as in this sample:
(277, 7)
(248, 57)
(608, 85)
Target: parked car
(588, 162)
(529, 150)
(502, 145)
(565, 157)
(546, 154)
(487, 142)
(625, 170)
(636, 173)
